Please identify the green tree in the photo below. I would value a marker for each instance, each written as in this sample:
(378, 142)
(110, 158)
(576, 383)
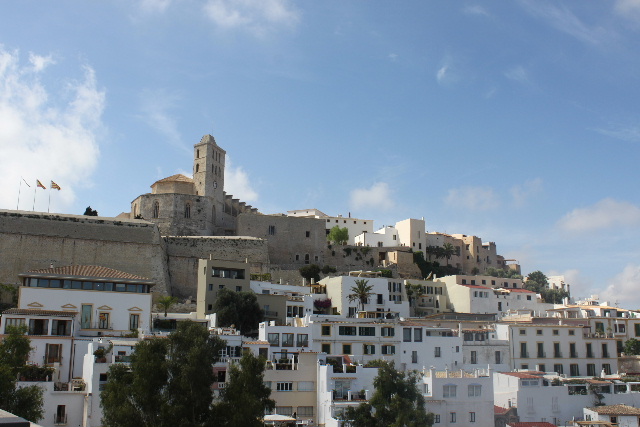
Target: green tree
(240, 309)
(339, 236)
(25, 402)
(168, 382)
(632, 347)
(360, 292)
(396, 402)
(245, 387)
(413, 292)
(309, 272)
(166, 302)
(448, 250)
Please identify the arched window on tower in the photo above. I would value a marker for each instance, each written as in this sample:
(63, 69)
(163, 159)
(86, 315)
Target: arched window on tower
(187, 210)
(197, 167)
(197, 154)
(156, 209)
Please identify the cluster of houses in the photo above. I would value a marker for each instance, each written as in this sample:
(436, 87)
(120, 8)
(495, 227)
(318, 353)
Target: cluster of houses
(487, 351)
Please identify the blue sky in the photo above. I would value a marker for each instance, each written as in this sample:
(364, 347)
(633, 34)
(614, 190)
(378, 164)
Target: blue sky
(514, 121)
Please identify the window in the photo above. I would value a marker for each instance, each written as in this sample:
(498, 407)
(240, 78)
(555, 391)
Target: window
(574, 370)
(347, 330)
(474, 357)
(156, 209)
(367, 331)
(572, 350)
(591, 369)
(414, 357)
(387, 331)
(539, 332)
(557, 368)
(637, 329)
(523, 332)
(388, 349)
(61, 415)
(284, 410)
(417, 335)
(14, 322)
(605, 350)
(589, 350)
(498, 357)
(306, 386)
(307, 234)
(556, 350)
(449, 390)
(274, 339)
(523, 350)
(436, 351)
(346, 348)
(305, 411)
(326, 348)
(572, 332)
(406, 334)
(287, 340)
(542, 367)
(134, 321)
(369, 349)
(541, 353)
(475, 390)
(555, 332)
(38, 326)
(272, 230)
(187, 210)
(606, 368)
(436, 419)
(472, 417)
(326, 330)
(302, 340)
(452, 417)
(53, 353)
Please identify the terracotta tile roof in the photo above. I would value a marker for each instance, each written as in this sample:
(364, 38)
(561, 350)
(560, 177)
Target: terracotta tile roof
(93, 271)
(520, 290)
(499, 410)
(175, 178)
(615, 410)
(601, 382)
(256, 342)
(36, 312)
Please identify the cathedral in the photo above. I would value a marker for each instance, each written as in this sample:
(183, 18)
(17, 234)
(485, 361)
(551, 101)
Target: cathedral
(198, 206)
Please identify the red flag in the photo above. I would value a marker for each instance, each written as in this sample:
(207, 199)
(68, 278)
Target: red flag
(55, 186)
(39, 184)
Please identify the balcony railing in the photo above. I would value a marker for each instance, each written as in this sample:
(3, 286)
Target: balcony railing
(268, 313)
(542, 355)
(60, 420)
(97, 325)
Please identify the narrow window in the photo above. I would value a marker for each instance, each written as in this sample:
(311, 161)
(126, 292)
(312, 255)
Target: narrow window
(156, 209)
(187, 210)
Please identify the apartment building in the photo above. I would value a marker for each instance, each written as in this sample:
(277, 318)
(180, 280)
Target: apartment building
(354, 226)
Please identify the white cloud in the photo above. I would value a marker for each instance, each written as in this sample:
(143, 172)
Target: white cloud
(237, 183)
(377, 197)
(475, 10)
(629, 134)
(521, 193)
(46, 136)
(157, 108)
(154, 5)
(629, 9)
(446, 74)
(393, 57)
(40, 62)
(623, 288)
(518, 74)
(258, 17)
(606, 213)
(473, 198)
(562, 19)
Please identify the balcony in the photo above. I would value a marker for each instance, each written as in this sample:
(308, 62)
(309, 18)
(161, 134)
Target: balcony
(121, 358)
(97, 325)
(542, 355)
(60, 420)
(271, 314)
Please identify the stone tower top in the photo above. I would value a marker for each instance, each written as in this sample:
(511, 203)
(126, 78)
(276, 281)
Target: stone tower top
(208, 168)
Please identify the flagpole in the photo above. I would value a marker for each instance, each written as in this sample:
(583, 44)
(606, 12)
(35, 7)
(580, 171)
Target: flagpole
(34, 196)
(19, 188)
(49, 200)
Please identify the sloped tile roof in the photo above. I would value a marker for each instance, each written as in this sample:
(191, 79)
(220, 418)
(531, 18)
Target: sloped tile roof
(175, 178)
(93, 271)
(524, 375)
(36, 312)
(615, 410)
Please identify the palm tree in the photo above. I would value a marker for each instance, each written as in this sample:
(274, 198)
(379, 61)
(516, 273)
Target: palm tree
(361, 292)
(166, 303)
(448, 250)
(413, 292)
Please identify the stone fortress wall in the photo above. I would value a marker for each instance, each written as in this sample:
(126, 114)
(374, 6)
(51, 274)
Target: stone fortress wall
(34, 240)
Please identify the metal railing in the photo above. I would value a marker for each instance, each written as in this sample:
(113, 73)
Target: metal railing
(60, 420)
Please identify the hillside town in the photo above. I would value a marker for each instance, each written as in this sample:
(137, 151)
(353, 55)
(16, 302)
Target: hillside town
(325, 303)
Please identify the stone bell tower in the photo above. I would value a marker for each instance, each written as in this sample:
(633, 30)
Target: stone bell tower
(208, 168)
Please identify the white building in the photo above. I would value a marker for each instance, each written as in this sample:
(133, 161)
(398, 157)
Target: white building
(354, 226)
